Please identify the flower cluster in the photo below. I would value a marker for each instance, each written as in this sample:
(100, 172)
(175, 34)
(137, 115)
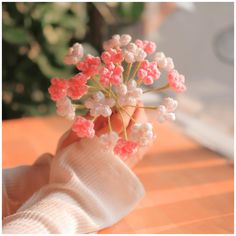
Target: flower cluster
(112, 82)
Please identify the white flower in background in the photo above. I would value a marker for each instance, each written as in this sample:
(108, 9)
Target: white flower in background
(74, 55)
(99, 105)
(142, 133)
(109, 140)
(130, 94)
(165, 112)
(65, 108)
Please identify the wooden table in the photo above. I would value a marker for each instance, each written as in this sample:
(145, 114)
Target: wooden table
(189, 189)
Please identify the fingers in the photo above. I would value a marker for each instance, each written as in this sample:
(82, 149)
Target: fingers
(68, 138)
(119, 120)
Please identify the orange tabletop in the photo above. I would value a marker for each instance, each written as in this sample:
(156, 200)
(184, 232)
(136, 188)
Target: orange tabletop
(189, 189)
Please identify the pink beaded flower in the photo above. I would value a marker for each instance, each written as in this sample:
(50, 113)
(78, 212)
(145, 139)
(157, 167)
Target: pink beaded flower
(90, 65)
(83, 128)
(125, 148)
(176, 81)
(58, 88)
(77, 86)
(148, 46)
(111, 74)
(148, 72)
(112, 55)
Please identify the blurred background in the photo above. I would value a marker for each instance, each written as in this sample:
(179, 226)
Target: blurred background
(199, 37)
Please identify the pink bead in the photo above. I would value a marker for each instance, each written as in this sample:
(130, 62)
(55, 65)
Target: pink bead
(139, 43)
(176, 81)
(106, 57)
(148, 72)
(83, 128)
(111, 74)
(125, 148)
(149, 47)
(77, 86)
(90, 65)
(58, 88)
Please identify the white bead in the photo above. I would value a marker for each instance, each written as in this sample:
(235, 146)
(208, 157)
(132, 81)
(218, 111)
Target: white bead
(159, 55)
(140, 54)
(170, 116)
(121, 89)
(110, 102)
(109, 140)
(98, 96)
(131, 84)
(116, 40)
(170, 104)
(106, 111)
(132, 47)
(125, 39)
(74, 54)
(170, 64)
(129, 57)
(162, 63)
(65, 108)
(89, 103)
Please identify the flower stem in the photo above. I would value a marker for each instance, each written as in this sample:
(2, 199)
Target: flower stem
(109, 124)
(127, 72)
(145, 107)
(127, 112)
(94, 118)
(135, 70)
(124, 129)
(78, 106)
(99, 85)
(166, 86)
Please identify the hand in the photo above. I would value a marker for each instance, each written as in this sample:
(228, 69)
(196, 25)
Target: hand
(101, 127)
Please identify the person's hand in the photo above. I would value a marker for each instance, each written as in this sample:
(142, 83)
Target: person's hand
(101, 127)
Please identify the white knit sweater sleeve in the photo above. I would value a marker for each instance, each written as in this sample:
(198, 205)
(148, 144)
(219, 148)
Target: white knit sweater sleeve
(88, 190)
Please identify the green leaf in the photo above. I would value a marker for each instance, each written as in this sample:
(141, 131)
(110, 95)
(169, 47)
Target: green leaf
(130, 10)
(15, 35)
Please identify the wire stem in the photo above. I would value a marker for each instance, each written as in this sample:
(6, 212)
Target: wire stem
(124, 129)
(145, 107)
(109, 124)
(166, 86)
(127, 72)
(135, 70)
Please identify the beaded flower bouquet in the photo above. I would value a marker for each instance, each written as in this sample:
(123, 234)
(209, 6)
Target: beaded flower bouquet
(111, 83)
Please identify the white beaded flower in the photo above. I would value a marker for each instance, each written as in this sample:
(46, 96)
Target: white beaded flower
(165, 111)
(164, 62)
(99, 105)
(133, 53)
(142, 133)
(74, 55)
(109, 140)
(117, 41)
(65, 108)
(130, 94)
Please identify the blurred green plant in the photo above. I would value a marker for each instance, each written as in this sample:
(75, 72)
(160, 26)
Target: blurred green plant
(36, 37)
